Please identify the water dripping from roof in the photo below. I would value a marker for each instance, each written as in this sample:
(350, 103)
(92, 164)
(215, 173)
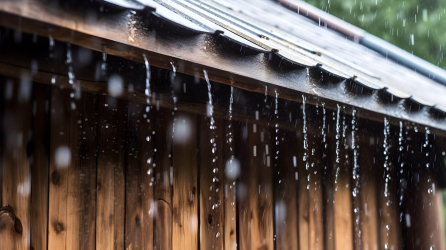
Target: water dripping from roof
(386, 145)
(355, 173)
(147, 90)
(304, 131)
(338, 138)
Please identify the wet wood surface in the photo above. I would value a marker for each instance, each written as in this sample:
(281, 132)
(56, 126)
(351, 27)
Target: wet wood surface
(163, 188)
(211, 183)
(316, 161)
(230, 187)
(112, 124)
(72, 197)
(128, 175)
(256, 216)
(343, 212)
(389, 229)
(60, 160)
(16, 164)
(81, 202)
(139, 203)
(40, 167)
(368, 203)
(285, 196)
(185, 199)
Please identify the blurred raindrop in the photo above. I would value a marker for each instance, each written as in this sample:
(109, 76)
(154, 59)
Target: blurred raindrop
(62, 157)
(232, 168)
(115, 85)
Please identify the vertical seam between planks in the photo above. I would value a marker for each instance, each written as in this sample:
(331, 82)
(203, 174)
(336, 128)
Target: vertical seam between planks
(48, 145)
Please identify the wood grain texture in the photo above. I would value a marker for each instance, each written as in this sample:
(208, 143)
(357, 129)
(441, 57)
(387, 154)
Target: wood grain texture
(40, 167)
(82, 178)
(285, 197)
(230, 192)
(112, 118)
(211, 183)
(303, 205)
(185, 186)
(368, 193)
(62, 151)
(329, 189)
(256, 214)
(72, 205)
(163, 188)
(389, 228)
(139, 208)
(343, 217)
(424, 223)
(315, 190)
(16, 169)
(2, 133)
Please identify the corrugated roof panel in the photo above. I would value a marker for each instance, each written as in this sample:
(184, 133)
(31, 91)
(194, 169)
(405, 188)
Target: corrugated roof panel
(288, 61)
(368, 84)
(422, 101)
(396, 93)
(124, 4)
(333, 72)
(223, 35)
(169, 14)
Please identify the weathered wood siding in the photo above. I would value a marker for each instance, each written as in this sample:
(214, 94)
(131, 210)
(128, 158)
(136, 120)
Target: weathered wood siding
(88, 171)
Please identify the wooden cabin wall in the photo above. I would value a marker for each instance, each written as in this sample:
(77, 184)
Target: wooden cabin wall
(88, 171)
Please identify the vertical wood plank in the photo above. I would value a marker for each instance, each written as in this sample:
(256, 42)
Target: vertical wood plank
(163, 187)
(303, 205)
(315, 190)
(424, 222)
(111, 173)
(82, 178)
(72, 205)
(286, 216)
(369, 204)
(2, 132)
(211, 184)
(256, 216)
(81, 208)
(139, 185)
(329, 189)
(243, 152)
(62, 151)
(40, 167)
(388, 208)
(16, 169)
(185, 186)
(232, 171)
(343, 231)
